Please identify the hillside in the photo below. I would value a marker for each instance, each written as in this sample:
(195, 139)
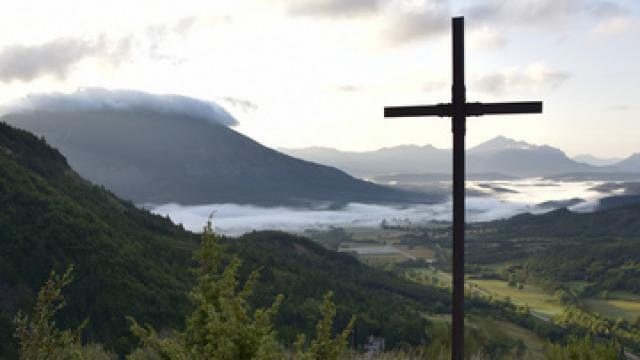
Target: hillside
(153, 157)
(621, 221)
(598, 250)
(130, 262)
(52, 218)
(385, 304)
(631, 163)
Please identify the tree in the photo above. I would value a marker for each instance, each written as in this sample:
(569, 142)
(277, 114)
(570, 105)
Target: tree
(584, 349)
(37, 333)
(222, 325)
(324, 346)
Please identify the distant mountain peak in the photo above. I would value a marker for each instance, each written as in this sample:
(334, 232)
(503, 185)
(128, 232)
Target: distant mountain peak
(631, 163)
(595, 161)
(501, 142)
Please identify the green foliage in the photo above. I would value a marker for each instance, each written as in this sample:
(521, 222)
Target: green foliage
(593, 324)
(221, 325)
(615, 222)
(607, 264)
(584, 349)
(130, 261)
(325, 346)
(135, 263)
(38, 334)
(385, 304)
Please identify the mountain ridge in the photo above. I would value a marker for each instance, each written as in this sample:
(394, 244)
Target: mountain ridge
(497, 155)
(161, 159)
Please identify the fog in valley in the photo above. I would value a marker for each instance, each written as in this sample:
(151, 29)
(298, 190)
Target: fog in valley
(502, 199)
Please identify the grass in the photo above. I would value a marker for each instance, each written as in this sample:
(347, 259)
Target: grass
(533, 296)
(615, 308)
(418, 251)
(497, 329)
(624, 295)
(502, 329)
(444, 279)
(576, 286)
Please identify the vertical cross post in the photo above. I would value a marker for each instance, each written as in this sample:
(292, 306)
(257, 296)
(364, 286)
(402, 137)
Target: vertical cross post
(458, 110)
(458, 124)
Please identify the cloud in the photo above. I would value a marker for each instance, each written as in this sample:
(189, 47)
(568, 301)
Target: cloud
(233, 219)
(236, 219)
(486, 38)
(331, 8)
(545, 14)
(184, 25)
(525, 12)
(534, 78)
(621, 107)
(347, 88)
(614, 26)
(243, 104)
(98, 99)
(434, 85)
(158, 35)
(403, 21)
(409, 23)
(607, 9)
(56, 58)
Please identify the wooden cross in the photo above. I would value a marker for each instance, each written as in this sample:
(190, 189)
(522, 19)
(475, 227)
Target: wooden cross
(458, 110)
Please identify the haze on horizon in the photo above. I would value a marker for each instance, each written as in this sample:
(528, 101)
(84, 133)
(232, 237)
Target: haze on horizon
(299, 73)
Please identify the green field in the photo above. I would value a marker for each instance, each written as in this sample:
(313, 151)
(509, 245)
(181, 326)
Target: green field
(444, 279)
(537, 299)
(498, 329)
(615, 308)
(418, 251)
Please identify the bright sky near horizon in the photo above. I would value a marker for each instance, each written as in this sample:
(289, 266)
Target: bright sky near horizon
(300, 73)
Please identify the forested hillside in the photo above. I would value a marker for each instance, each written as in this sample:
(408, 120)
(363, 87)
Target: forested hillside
(621, 221)
(127, 261)
(130, 262)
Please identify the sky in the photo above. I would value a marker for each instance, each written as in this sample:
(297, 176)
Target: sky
(297, 73)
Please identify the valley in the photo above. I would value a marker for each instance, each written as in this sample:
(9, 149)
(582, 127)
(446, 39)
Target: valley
(420, 254)
(526, 286)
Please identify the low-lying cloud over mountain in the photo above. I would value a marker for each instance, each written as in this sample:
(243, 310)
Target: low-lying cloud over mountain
(168, 148)
(98, 99)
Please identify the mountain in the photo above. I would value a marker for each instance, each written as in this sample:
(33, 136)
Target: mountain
(128, 261)
(521, 159)
(386, 161)
(630, 164)
(595, 161)
(499, 143)
(499, 155)
(160, 158)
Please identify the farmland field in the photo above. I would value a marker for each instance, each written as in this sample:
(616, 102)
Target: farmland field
(614, 308)
(537, 299)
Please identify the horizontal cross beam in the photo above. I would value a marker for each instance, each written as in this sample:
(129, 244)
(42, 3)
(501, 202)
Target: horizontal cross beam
(471, 109)
(419, 110)
(526, 107)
